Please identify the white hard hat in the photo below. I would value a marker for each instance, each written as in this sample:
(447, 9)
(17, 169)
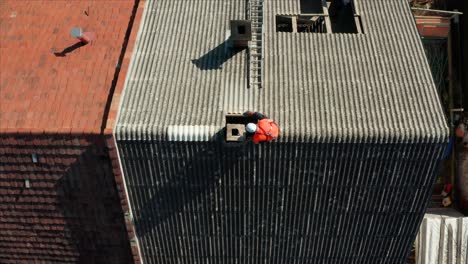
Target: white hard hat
(251, 128)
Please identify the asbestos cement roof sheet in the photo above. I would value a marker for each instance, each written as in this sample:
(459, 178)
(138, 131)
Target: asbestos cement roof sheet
(318, 87)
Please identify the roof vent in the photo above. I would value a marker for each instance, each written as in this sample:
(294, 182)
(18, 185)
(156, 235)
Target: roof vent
(235, 126)
(235, 132)
(241, 33)
(84, 37)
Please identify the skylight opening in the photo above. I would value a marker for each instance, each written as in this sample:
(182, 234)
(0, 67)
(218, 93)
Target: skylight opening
(317, 16)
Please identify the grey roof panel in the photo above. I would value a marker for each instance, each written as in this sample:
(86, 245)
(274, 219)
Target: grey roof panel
(315, 197)
(200, 202)
(181, 73)
(318, 87)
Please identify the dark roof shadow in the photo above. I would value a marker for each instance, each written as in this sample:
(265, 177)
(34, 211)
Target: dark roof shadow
(311, 7)
(190, 185)
(76, 199)
(344, 21)
(88, 203)
(216, 57)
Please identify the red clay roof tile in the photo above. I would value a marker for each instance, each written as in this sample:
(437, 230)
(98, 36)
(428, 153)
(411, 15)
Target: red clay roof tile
(42, 87)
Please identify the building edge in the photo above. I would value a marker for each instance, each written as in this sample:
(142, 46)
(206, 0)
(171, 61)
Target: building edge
(110, 122)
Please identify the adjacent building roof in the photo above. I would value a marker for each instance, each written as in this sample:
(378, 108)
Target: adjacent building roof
(47, 82)
(318, 87)
(59, 201)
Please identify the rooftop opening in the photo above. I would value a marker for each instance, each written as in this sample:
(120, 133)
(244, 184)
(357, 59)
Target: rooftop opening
(235, 132)
(284, 23)
(343, 17)
(241, 30)
(320, 16)
(301, 23)
(311, 24)
(311, 6)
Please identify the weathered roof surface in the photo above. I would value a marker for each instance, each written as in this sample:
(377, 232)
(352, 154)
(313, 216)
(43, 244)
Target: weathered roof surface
(59, 201)
(318, 87)
(47, 82)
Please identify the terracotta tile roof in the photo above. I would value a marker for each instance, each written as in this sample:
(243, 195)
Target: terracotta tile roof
(70, 213)
(66, 207)
(44, 86)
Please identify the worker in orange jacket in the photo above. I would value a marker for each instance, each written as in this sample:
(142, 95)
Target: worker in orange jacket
(265, 129)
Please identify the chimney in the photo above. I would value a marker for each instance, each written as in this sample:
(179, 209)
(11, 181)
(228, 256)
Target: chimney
(84, 37)
(241, 33)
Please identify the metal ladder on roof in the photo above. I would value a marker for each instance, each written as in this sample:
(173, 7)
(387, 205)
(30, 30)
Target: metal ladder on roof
(255, 48)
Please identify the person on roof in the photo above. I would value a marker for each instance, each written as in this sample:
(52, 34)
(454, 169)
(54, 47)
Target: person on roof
(265, 129)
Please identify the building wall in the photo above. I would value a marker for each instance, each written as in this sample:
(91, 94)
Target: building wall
(71, 212)
(277, 203)
(122, 195)
(110, 124)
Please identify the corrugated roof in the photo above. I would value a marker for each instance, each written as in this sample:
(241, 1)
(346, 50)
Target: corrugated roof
(205, 202)
(318, 87)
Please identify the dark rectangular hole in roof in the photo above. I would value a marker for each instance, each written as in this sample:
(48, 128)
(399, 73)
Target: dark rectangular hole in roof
(345, 20)
(342, 18)
(304, 24)
(241, 29)
(284, 24)
(311, 6)
(307, 24)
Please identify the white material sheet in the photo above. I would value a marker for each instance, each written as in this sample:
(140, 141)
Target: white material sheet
(442, 238)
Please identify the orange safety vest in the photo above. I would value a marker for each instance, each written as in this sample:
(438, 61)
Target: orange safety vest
(267, 130)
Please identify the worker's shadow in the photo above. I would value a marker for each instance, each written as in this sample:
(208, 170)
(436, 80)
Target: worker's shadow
(216, 57)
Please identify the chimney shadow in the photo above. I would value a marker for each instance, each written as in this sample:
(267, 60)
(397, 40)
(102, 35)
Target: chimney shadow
(215, 58)
(69, 49)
